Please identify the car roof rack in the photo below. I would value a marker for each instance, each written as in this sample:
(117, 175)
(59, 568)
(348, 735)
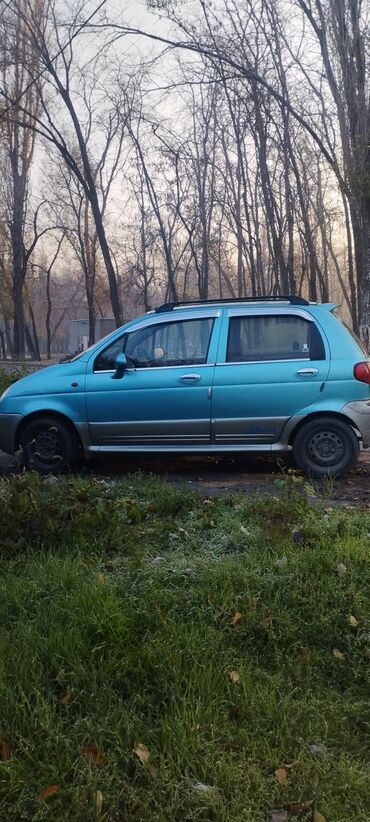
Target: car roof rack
(293, 299)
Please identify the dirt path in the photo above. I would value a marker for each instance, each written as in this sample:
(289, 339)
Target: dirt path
(223, 475)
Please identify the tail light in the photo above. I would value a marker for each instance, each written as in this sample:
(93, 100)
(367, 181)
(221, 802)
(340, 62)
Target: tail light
(361, 372)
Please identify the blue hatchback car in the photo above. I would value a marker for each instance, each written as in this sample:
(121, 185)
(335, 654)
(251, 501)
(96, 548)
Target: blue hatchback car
(262, 375)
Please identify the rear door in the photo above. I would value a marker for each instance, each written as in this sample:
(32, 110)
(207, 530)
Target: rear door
(272, 365)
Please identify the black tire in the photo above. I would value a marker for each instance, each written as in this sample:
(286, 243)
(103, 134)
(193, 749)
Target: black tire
(49, 446)
(326, 447)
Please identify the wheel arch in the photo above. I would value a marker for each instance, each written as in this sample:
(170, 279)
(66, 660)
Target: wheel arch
(36, 415)
(336, 415)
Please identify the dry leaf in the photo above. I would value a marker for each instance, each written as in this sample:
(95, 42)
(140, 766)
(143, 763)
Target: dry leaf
(282, 562)
(142, 752)
(153, 772)
(338, 654)
(235, 618)
(98, 802)
(281, 775)
(352, 621)
(50, 791)
(278, 816)
(195, 727)
(5, 750)
(67, 697)
(101, 577)
(93, 754)
(234, 676)
(267, 620)
(206, 789)
(318, 748)
(318, 817)
(342, 569)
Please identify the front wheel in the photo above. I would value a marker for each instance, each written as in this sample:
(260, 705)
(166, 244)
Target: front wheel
(326, 447)
(49, 446)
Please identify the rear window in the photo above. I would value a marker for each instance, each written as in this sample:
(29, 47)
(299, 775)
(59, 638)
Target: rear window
(354, 336)
(253, 339)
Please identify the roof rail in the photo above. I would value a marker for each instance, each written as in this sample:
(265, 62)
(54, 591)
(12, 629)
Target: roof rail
(293, 299)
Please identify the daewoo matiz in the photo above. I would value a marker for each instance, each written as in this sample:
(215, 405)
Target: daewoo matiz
(253, 375)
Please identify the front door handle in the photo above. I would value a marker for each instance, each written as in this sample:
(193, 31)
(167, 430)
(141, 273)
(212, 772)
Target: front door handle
(308, 372)
(190, 378)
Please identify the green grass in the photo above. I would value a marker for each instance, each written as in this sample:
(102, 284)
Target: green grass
(116, 604)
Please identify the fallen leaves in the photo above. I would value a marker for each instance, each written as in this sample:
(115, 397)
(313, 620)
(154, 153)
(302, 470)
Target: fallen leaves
(318, 749)
(208, 790)
(338, 654)
(341, 569)
(98, 802)
(234, 676)
(93, 754)
(235, 618)
(278, 816)
(281, 775)
(318, 817)
(352, 621)
(5, 750)
(51, 790)
(142, 752)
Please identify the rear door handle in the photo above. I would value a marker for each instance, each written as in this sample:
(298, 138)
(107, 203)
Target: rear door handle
(190, 378)
(308, 372)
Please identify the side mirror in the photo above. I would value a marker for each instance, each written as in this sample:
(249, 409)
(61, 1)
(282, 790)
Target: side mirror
(121, 365)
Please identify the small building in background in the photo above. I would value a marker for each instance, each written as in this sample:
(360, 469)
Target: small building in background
(78, 332)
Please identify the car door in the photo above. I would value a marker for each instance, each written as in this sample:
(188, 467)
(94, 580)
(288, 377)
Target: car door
(163, 397)
(272, 365)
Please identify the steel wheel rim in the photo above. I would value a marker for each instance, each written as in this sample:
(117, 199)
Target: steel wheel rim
(46, 446)
(326, 448)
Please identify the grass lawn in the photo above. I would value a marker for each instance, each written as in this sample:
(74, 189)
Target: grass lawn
(166, 658)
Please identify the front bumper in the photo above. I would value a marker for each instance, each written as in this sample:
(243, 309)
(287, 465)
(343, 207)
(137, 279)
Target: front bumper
(359, 413)
(8, 428)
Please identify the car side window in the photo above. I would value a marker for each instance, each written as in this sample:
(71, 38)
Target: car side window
(183, 342)
(283, 337)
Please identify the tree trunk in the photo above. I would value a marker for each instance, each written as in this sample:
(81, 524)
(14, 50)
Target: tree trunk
(360, 213)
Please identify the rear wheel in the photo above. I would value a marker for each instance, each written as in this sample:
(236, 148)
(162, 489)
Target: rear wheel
(49, 446)
(326, 447)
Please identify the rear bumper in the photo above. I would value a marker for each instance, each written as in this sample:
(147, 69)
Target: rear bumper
(359, 413)
(8, 428)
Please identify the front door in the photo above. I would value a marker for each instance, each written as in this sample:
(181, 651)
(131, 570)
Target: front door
(272, 366)
(164, 396)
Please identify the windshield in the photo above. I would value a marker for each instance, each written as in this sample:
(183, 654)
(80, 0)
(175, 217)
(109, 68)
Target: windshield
(80, 354)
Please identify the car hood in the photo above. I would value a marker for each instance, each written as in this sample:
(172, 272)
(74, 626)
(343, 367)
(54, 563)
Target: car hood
(54, 379)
